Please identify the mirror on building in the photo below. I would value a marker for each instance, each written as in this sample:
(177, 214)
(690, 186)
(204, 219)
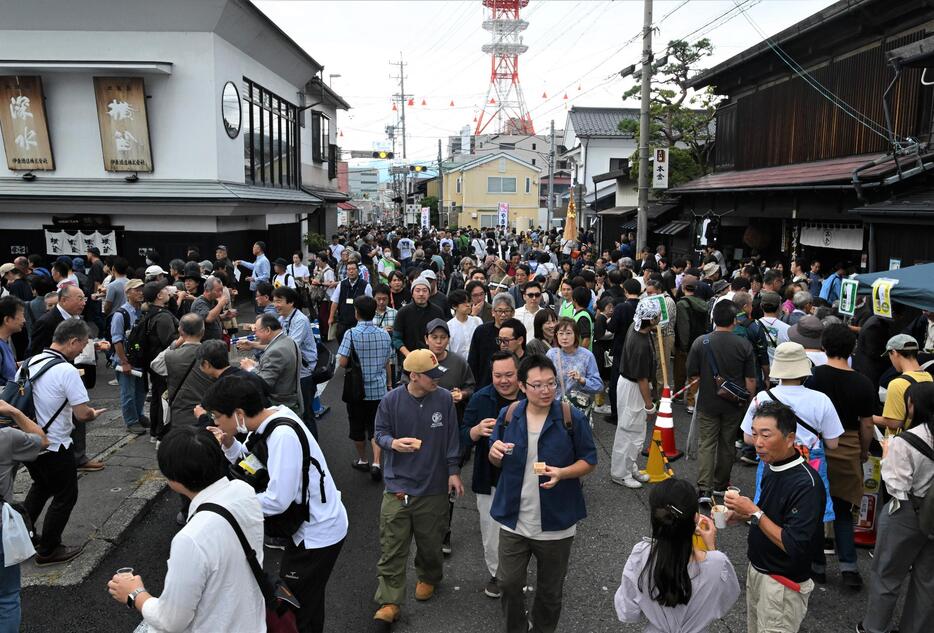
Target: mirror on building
(230, 109)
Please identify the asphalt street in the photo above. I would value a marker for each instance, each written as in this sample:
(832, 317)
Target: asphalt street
(617, 520)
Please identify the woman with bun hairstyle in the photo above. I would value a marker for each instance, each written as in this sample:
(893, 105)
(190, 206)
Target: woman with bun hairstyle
(677, 585)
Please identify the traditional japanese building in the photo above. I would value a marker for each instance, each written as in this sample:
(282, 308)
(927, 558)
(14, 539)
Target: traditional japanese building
(135, 125)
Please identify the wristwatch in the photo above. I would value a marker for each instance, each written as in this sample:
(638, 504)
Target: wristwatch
(756, 516)
(131, 598)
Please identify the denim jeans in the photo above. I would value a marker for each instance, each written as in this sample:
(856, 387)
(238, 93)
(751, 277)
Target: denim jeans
(132, 397)
(843, 534)
(10, 612)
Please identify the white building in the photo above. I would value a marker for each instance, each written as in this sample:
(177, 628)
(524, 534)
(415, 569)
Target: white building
(228, 130)
(363, 182)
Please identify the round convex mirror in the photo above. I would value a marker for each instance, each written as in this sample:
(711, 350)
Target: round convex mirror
(230, 109)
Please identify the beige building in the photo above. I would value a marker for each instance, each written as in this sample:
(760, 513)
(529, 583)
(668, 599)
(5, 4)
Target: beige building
(474, 190)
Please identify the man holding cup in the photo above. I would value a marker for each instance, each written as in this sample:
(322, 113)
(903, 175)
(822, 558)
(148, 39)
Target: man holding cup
(416, 426)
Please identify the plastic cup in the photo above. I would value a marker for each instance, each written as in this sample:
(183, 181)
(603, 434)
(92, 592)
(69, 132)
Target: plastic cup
(731, 492)
(718, 514)
(509, 448)
(125, 570)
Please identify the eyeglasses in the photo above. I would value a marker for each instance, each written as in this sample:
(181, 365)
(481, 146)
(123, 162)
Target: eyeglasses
(503, 311)
(545, 386)
(533, 295)
(502, 340)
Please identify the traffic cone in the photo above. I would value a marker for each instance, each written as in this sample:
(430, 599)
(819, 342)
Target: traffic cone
(657, 467)
(665, 423)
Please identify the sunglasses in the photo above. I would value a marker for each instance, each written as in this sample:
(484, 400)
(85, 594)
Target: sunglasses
(502, 340)
(533, 295)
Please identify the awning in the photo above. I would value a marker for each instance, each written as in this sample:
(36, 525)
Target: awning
(655, 210)
(918, 205)
(326, 194)
(673, 228)
(346, 206)
(632, 225)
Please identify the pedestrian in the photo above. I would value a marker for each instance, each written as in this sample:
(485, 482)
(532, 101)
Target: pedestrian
(655, 287)
(301, 505)
(691, 324)
(852, 396)
(463, 324)
(115, 295)
(21, 442)
(532, 294)
(12, 321)
(544, 448)
(831, 286)
(634, 396)
(409, 329)
(786, 525)
(209, 584)
(620, 324)
(281, 276)
(368, 347)
(902, 351)
(714, 358)
(512, 337)
(776, 330)
(577, 367)
(341, 318)
(259, 268)
(476, 428)
(214, 362)
(185, 382)
(160, 330)
(297, 327)
(211, 306)
(280, 364)
(677, 585)
(546, 322)
(416, 426)
(323, 281)
(904, 549)
(132, 387)
(582, 297)
(61, 401)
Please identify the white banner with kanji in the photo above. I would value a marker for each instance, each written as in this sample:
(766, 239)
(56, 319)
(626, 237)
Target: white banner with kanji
(78, 242)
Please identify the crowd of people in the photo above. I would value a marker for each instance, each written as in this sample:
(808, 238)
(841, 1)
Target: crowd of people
(495, 347)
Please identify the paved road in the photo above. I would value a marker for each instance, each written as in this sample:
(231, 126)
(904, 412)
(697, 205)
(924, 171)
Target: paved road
(618, 519)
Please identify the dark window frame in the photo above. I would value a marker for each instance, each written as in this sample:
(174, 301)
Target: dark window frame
(274, 118)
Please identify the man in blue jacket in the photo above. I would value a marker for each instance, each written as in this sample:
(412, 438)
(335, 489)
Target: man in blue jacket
(543, 448)
(477, 427)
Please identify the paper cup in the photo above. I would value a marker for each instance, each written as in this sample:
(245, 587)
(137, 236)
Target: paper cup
(731, 493)
(538, 468)
(718, 514)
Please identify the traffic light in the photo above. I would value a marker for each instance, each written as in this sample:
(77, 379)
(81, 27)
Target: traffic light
(417, 168)
(383, 155)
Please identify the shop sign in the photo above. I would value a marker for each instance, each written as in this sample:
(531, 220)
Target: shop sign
(24, 125)
(124, 127)
(848, 290)
(882, 297)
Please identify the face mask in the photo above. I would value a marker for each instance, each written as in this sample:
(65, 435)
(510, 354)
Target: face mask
(148, 262)
(387, 255)
(241, 424)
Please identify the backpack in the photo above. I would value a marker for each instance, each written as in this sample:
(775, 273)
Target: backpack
(108, 322)
(139, 345)
(565, 411)
(923, 507)
(19, 392)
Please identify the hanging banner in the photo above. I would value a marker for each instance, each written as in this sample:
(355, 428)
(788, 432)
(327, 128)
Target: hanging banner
(849, 239)
(426, 218)
(24, 126)
(502, 218)
(660, 171)
(78, 242)
(882, 297)
(121, 115)
(848, 289)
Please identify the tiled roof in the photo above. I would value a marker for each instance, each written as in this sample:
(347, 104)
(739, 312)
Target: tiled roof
(589, 122)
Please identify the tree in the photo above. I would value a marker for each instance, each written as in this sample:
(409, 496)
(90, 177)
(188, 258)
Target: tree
(678, 116)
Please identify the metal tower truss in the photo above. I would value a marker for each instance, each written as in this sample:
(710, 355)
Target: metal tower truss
(504, 102)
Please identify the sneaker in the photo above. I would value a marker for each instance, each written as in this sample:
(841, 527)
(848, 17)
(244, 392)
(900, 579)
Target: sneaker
(852, 580)
(739, 444)
(603, 409)
(144, 421)
(749, 460)
(446, 544)
(639, 475)
(424, 591)
(689, 409)
(705, 497)
(376, 472)
(360, 464)
(492, 588)
(113, 383)
(61, 554)
(627, 481)
(91, 466)
(181, 519)
(829, 548)
(388, 613)
(136, 429)
(153, 439)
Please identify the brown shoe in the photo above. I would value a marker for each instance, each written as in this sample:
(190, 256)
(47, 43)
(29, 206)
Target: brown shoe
(388, 613)
(61, 554)
(92, 465)
(424, 591)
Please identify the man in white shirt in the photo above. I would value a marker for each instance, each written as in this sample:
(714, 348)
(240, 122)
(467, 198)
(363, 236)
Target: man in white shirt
(463, 324)
(274, 443)
(209, 585)
(59, 397)
(532, 293)
(406, 250)
(776, 330)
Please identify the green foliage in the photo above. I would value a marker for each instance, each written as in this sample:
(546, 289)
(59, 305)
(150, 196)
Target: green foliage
(677, 115)
(315, 242)
(682, 167)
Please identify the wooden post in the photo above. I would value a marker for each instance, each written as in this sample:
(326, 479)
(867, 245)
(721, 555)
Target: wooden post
(661, 355)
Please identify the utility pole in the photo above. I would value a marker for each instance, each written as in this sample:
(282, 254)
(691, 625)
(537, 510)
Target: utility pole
(642, 217)
(551, 177)
(441, 206)
(402, 99)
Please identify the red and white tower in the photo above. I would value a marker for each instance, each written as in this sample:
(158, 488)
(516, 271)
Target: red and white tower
(504, 101)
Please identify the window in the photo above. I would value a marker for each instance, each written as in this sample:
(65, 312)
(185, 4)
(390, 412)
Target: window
(487, 220)
(270, 139)
(533, 162)
(507, 146)
(533, 147)
(458, 185)
(528, 185)
(502, 165)
(320, 137)
(496, 184)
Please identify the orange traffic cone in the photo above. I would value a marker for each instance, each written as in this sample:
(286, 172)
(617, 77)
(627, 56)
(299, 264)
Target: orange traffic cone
(665, 423)
(657, 467)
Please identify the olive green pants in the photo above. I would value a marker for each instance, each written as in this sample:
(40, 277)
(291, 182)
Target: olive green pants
(427, 519)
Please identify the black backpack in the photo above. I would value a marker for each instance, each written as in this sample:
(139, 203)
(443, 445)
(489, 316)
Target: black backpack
(19, 392)
(108, 322)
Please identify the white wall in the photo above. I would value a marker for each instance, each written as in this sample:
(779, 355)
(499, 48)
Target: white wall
(598, 153)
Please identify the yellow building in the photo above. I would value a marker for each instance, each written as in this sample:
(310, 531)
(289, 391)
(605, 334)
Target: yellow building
(474, 190)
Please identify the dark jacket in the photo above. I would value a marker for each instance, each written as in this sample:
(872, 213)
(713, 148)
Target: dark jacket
(691, 321)
(482, 346)
(43, 330)
(620, 324)
(411, 321)
(483, 404)
(345, 311)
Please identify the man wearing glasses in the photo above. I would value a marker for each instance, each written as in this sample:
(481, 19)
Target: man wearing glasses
(484, 343)
(542, 450)
(512, 335)
(533, 299)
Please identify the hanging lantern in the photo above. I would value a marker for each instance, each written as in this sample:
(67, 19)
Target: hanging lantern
(565, 96)
(452, 103)
(424, 103)
(492, 101)
(394, 108)
(475, 118)
(578, 87)
(341, 134)
(544, 95)
(411, 102)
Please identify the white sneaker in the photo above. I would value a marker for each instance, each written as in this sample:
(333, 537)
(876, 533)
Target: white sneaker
(603, 409)
(689, 409)
(640, 476)
(629, 482)
(113, 383)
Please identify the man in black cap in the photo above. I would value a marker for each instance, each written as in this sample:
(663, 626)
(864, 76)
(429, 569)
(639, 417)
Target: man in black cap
(281, 276)
(222, 262)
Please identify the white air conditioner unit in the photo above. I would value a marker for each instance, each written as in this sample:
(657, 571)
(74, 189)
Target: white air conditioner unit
(473, 215)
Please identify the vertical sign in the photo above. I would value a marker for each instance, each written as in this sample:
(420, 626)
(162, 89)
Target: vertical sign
(465, 140)
(882, 297)
(426, 218)
(502, 219)
(23, 124)
(121, 114)
(660, 171)
(848, 297)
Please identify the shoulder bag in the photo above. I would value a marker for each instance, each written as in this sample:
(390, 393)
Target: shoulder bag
(354, 390)
(726, 389)
(281, 603)
(168, 400)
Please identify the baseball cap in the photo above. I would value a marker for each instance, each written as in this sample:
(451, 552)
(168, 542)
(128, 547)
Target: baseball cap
(901, 343)
(434, 324)
(220, 247)
(5, 268)
(77, 263)
(154, 270)
(429, 274)
(133, 283)
(279, 261)
(423, 361)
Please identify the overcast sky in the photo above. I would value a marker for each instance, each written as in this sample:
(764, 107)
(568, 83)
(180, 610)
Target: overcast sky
(575, 48)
